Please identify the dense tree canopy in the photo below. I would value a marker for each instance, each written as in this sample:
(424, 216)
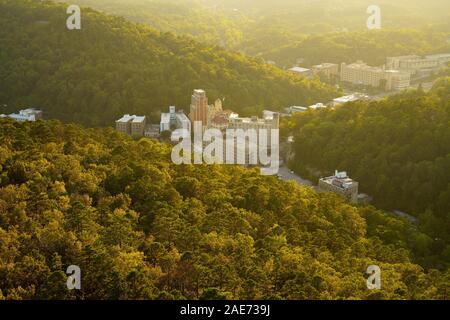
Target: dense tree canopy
(141, 227)
(370, 46)
(111, 67)
(398, 149)
(277, 29)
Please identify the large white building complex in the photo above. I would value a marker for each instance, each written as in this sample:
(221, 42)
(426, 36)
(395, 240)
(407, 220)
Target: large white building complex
(418, 65)
(29, 114)
(349, 98)
(176, 122)
(328, 70)
(360, 73)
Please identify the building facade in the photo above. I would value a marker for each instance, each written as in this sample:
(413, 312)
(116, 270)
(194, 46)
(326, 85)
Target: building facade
(360, 73)
(328, 70)
(412, 64)
(341, 184)
(418, 65)
(199, 107)
(29, 114)
(132, 125)
(397, 80)
(176, 122)
(138, 125)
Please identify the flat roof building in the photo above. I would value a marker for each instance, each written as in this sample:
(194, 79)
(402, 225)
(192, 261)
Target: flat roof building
(301, 71)
(442, 58)
(328, 70)
(132, 125)
(29, 114)
(397, 80)
(360, 73)
(267, 122)
(349, 98)
(176, 122)
(414, 64)
(341, 184)
(296, 109)
(317, 106)
(164, 124)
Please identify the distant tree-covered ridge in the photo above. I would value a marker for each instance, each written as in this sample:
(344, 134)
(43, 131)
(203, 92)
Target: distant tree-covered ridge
(399, 151)
(371, 46)
(111, 67)
(280, 30)
(140, 227)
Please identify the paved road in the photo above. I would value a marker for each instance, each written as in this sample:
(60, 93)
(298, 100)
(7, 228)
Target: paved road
(401, 214)
(285, 174)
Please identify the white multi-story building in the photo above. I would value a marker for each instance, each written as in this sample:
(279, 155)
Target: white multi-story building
(268, 122)
(442, 58)
(164, 124)
(360, 73)
(341, 184)
(174, 121)
(328, 70)
(397, 80)
(29, 114)
(417, 65)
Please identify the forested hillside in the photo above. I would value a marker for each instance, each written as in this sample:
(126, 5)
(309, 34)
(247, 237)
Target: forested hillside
(399, 151)
(370, 46)
(141, 227)
(111, 67)
(276, 29)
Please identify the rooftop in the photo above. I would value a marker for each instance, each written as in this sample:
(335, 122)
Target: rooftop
(200, 92)
(182, 117)
(324, 65)
(438, 56)
(349, 98)
(363, 66)
(406, 57)
(299, 69)
(165, 117)
(125, 118)
(317, 106)
(340, 179)
(138, 119)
